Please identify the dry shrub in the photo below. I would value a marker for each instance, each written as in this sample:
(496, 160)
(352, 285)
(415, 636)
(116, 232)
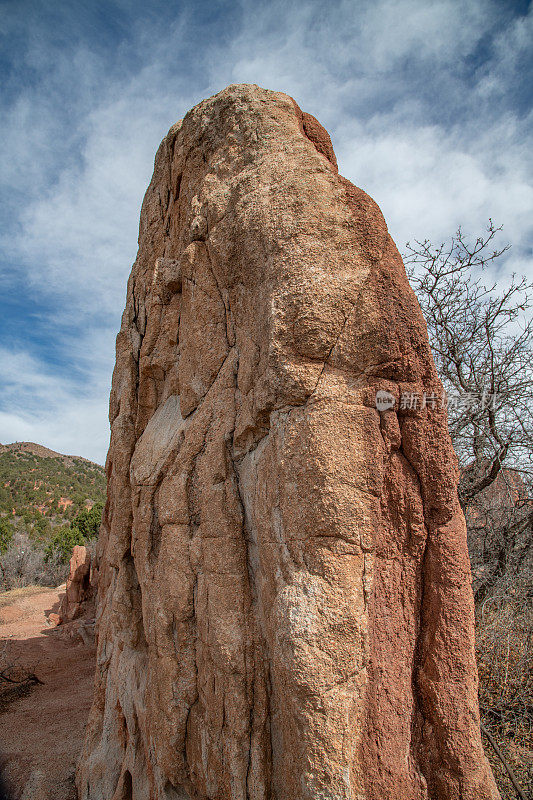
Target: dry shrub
(25, 563)
(505, 662)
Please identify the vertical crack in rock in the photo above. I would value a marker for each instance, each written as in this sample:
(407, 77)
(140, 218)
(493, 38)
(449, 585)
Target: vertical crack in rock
(258, 643)
(284, 607)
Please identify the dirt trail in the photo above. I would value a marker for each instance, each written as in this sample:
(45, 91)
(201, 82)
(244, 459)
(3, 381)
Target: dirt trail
(41, 733)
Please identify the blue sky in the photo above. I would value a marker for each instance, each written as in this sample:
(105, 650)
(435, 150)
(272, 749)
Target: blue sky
(428, 104)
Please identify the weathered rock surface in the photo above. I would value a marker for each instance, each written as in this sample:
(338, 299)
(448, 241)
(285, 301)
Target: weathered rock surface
(284, 593)
(78, 592)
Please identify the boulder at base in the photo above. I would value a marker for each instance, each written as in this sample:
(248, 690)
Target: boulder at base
(79, 591)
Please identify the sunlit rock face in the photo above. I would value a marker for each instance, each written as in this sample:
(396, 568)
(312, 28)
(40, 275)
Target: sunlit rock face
(285, 609)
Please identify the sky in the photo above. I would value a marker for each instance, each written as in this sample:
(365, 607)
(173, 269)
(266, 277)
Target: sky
(428, 104)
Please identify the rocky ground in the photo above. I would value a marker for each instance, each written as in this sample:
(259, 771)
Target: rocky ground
(42, 725)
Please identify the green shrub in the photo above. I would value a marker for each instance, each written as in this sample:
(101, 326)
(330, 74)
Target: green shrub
(62, 541)
(88, 522)
(6, 534)
(41, 527)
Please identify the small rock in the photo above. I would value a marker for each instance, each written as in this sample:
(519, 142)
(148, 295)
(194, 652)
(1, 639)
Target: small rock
(78, 589)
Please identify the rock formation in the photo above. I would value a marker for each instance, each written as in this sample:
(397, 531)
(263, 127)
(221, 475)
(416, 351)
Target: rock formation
(285, 610)
(79, 591)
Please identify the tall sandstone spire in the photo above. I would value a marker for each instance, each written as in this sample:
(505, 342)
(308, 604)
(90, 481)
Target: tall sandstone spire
(285, 610)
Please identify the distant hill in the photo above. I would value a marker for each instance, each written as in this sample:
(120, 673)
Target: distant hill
(41, 451)
(36, 482)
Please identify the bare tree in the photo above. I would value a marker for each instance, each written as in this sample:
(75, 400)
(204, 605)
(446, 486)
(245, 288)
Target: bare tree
(481, 335)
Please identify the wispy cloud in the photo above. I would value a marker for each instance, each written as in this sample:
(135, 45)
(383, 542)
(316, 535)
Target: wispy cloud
(426, 103)
(66, 413)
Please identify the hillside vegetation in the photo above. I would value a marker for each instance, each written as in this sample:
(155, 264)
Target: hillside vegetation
(48, 503)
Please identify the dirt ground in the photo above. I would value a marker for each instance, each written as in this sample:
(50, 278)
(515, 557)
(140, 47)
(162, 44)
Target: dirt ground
(41, 729)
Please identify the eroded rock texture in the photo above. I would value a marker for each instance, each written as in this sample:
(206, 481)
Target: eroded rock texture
(284, 594)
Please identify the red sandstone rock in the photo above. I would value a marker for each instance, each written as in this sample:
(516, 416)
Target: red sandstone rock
(78, 590)
(285, 608)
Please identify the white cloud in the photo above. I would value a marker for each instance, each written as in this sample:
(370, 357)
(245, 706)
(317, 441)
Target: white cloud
(416, 122)
(428, 182)
(443, 30)
(77, 428)
(65, 414)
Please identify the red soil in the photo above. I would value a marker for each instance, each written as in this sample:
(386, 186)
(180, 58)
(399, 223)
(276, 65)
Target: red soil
(41, 733)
